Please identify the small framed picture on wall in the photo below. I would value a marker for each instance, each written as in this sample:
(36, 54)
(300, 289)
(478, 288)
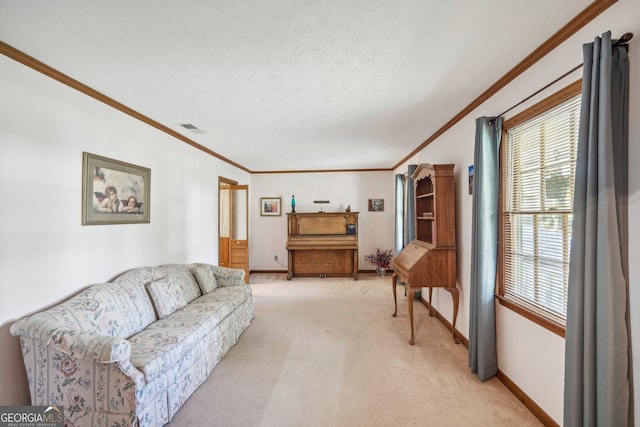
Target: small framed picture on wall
(270, 206)
(376, 205)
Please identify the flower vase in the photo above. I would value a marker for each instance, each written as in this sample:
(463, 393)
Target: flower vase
(381, 271)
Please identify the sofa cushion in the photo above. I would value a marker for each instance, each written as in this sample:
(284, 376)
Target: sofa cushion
(157, 351)
(168, 342)
(206, 278)
(225, 299)
(167, 296)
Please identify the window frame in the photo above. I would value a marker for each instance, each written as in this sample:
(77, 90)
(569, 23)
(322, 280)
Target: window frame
(541, 107)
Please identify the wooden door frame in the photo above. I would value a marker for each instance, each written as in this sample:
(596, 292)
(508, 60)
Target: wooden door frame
(239, 247)
(222, 181)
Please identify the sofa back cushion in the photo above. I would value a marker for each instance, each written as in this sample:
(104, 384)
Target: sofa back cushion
(174, 285)
(224, 276)
(167, 296)
(205, 276)
(110, 309)
(170, 286)
(180, 275)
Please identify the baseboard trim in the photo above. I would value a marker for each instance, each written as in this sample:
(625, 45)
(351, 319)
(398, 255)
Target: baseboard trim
(268, 271)
(526, 400)
(529, 403)
(444, 321)
(389, 272)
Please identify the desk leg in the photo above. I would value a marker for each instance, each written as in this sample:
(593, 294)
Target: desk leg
(394, 279)
(456, 296)
(410, 296)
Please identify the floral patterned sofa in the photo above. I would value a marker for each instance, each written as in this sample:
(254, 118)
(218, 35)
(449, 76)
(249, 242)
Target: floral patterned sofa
(131, 351)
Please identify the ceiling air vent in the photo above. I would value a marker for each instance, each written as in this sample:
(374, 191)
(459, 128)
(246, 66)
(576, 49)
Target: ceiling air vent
(191, 127)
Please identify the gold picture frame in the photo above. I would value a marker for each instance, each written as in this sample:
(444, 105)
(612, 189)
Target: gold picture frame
(270, 206)
(114, 192)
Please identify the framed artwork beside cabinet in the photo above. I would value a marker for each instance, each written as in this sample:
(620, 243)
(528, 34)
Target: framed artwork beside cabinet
(376, 205)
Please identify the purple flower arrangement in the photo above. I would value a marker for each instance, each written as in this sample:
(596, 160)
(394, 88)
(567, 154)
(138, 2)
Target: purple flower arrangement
(381, 259)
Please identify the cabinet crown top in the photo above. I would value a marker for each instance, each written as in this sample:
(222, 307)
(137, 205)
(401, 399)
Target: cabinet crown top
(426, 170)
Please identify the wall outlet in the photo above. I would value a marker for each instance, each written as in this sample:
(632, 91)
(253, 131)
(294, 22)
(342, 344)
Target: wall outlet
(275, 257)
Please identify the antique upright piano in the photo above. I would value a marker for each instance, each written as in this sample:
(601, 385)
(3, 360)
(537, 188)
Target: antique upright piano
(429, 260)
(323, 244)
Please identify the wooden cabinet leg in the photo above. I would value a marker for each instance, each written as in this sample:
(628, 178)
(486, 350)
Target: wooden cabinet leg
(455, 295)
(394, 279)
(430, 294)
(410, 296)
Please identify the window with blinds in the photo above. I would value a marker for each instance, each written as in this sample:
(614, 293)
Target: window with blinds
(537, 197)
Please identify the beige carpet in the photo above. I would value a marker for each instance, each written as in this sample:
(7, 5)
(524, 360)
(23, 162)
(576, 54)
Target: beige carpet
(327, 352)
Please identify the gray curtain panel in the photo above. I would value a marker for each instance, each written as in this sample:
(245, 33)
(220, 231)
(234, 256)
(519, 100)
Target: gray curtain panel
(410, 229)
(399, 213)
(483, 358)
(598, 372)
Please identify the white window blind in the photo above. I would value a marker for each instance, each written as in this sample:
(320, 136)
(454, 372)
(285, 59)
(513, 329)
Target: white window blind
(537, 211)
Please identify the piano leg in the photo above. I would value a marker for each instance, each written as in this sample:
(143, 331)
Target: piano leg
(394, 279)
(355, 264)
(410, 297)
(290, 267)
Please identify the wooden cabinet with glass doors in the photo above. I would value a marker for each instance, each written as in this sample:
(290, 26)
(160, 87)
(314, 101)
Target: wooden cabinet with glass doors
(430, 259)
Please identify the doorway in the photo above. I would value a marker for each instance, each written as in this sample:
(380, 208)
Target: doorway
(233, 225)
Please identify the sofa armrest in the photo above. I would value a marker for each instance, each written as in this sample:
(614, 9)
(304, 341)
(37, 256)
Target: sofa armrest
(74, 342)
(226, 276)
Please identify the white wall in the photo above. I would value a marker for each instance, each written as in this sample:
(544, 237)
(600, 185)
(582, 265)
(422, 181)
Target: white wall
(530, 355)
(45, 254)
(342, 189)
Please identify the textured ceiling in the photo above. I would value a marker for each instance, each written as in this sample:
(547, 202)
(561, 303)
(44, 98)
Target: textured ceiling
(289, 84)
